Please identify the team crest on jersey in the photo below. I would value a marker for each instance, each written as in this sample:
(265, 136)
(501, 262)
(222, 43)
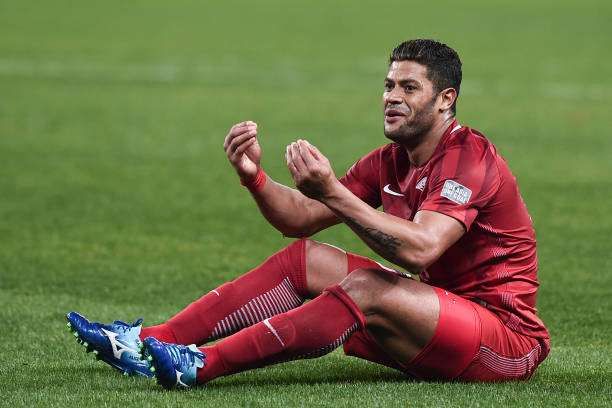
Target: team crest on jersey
(421, 184)
(456, 192)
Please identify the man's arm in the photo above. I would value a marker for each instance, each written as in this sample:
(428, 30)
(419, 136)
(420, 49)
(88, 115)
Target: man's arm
(287, 209)
(291, 212)
(412, 245)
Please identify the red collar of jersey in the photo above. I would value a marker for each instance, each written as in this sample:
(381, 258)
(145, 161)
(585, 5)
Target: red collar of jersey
(452, 128)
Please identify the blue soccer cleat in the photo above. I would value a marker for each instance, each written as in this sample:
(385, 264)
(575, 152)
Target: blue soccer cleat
(117, 344)
(174, 365)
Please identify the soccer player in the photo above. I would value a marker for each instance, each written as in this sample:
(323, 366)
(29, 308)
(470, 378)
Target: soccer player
(452, 213)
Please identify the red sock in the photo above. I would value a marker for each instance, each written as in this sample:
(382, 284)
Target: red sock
(276, 286)
(161, 332)
(309, 331)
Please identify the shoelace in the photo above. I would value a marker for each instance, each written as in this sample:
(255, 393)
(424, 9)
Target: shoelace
(184, 356)
(125, 327)
(116, 327)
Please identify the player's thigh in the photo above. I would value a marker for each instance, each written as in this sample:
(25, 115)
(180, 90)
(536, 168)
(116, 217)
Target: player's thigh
(429, 332)
(454, 342)
(467, 342)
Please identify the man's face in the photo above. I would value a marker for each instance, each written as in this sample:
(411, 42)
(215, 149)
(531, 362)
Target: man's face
(409, 102)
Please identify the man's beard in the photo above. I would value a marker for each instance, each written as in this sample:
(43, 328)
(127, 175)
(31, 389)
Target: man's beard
(412, 133)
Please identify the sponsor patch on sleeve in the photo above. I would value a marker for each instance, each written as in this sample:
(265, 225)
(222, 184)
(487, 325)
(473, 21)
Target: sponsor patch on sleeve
(456, 192)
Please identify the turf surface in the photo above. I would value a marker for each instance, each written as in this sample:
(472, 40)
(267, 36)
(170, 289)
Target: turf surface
(116, 199)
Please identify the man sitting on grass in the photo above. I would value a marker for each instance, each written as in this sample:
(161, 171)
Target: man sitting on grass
(452, 213)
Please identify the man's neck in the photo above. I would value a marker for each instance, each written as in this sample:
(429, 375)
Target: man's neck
(422, 152)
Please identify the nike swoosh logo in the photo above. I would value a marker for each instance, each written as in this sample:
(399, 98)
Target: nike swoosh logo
(386, 189)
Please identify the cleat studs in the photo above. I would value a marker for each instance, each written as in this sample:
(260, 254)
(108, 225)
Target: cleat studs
(75, 334)
(152, 369)
(150, 358)
(85, 344)
(68, 324)
(125, 374)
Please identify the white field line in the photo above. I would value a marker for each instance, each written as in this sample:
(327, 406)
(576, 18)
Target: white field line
(282, 72)
(65, 70)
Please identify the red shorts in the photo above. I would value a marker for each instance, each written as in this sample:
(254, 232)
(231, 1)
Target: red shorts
(470, 343)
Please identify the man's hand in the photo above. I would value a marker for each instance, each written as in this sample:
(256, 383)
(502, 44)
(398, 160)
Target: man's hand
(243, 150)
(310, 170)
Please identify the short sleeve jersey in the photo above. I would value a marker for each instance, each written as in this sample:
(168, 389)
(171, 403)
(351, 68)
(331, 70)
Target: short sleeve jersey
(494, 263)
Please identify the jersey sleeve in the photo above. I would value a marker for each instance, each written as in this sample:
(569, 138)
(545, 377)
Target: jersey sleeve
(462, 182)
(363, 179)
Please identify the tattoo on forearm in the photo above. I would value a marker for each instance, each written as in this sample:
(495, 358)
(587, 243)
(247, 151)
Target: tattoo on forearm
(383, 243)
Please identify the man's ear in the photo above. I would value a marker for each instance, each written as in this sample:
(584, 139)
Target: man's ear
(447, 97)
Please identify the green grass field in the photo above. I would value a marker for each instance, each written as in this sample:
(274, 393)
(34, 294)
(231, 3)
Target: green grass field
(116, 199)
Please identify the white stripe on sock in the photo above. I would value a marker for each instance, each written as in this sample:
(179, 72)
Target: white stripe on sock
(279, 299)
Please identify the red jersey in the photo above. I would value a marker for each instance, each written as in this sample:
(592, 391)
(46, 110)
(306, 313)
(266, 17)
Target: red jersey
(494, 263)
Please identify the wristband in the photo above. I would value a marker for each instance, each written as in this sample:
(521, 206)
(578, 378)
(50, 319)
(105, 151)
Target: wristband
(257, 183)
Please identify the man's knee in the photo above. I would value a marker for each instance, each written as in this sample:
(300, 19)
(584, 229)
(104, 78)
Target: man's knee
(309, 244)
(366, 286)
(316, 247)
(325, 266)
(400, 312)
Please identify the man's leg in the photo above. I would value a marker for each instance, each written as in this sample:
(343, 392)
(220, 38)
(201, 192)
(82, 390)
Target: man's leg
(276, 286)
(461, 341)
(400, 313)
(298, 272)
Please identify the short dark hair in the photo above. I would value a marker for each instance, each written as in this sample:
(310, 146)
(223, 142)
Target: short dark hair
(442, 62)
